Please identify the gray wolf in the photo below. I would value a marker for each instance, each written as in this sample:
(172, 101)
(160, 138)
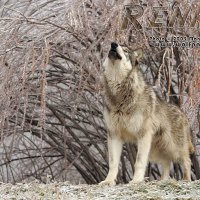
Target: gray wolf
(135, 114)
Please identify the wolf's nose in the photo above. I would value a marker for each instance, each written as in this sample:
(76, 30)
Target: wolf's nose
(114, 45)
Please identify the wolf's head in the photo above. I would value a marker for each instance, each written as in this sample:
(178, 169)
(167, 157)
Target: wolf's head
(121, 60)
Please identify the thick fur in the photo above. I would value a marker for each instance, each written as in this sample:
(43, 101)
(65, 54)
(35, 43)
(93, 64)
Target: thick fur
(134, 113)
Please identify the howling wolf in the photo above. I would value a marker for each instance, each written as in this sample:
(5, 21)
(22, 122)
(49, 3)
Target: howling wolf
(134, 113)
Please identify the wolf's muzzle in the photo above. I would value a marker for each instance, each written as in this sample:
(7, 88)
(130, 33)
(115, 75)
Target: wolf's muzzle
(113, 54)
(114, 45)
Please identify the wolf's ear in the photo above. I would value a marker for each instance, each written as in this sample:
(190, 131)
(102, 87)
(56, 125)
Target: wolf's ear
(136, 56)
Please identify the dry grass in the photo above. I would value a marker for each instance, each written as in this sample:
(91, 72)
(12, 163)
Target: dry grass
(51, 56)
(151, 190)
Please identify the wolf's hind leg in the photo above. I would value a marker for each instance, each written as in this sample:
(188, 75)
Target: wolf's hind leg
(115, 145)
(144, 145)
(165, 169)
(186, 163)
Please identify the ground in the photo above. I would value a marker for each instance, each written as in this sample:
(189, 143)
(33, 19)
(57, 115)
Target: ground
(155, 190)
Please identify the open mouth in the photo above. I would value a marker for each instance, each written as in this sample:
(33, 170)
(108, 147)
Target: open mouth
(113, 54)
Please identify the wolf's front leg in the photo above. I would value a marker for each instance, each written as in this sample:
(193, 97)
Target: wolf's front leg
(115, 145)
(144, 145)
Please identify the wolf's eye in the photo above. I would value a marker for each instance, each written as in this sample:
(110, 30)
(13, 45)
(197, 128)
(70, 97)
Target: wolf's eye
(126, 54)
(126, 50)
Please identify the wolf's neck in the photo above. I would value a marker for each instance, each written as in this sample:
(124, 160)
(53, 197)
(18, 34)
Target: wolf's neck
(138, 82)
(115, 75)
(125, 90)
(127, 79)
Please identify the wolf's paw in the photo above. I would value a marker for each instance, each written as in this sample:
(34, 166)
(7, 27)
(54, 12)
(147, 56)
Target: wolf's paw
(134, 181)
(108, 182)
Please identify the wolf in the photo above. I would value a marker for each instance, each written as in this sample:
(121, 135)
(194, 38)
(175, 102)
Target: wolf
(134, 113)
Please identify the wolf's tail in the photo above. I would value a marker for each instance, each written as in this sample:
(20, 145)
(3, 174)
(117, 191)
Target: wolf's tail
(191, 146)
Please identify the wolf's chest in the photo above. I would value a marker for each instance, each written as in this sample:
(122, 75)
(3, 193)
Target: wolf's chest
(126, 126)
(113, 87)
